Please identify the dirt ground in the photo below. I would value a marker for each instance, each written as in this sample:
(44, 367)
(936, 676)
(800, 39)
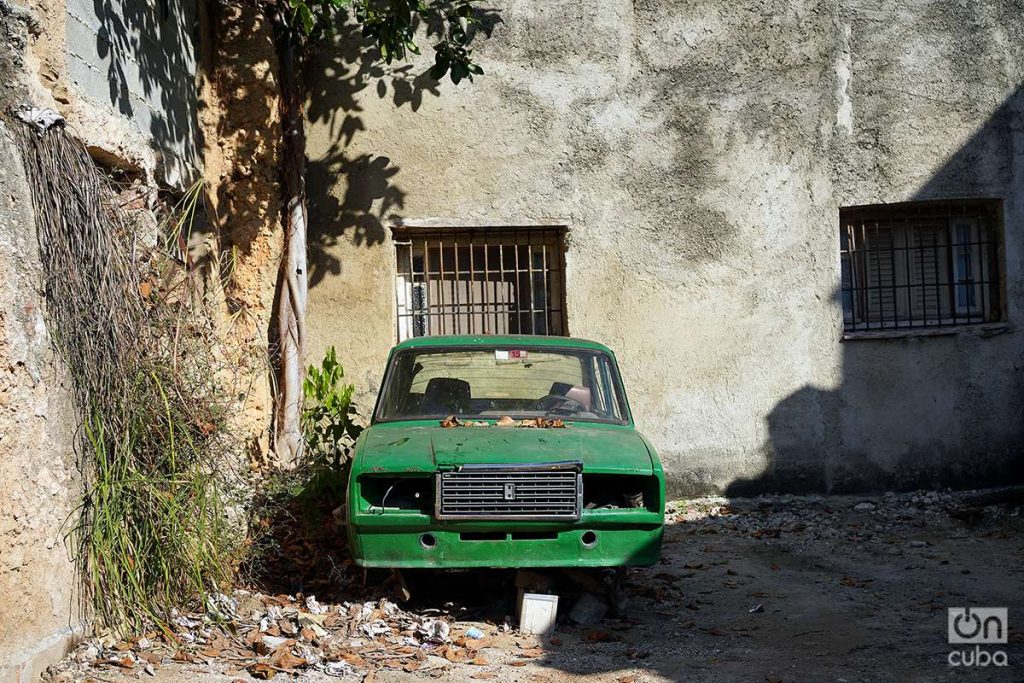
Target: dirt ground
(779, 588)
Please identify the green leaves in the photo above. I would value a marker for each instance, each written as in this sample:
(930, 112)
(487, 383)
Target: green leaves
(392, 26)
(327, 425)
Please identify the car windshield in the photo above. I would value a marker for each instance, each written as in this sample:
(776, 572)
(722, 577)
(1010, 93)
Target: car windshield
(489, 383)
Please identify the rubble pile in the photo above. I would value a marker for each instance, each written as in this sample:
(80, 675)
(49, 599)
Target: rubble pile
(827, 518)
(266, 635)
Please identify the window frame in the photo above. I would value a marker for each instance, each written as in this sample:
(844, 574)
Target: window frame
(431, 298)
(896, 284)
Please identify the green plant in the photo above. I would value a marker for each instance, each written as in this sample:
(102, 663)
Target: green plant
(328, 428)
(152, 529)
(391, 27)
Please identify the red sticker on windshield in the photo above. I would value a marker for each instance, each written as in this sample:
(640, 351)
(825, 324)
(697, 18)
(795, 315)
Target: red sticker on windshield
(510, 354)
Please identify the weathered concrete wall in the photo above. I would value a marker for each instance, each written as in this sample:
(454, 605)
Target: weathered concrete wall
(42, 486)
(39, 609)
(138, 60)
(700, 152)
(124, 77)
(240, 120)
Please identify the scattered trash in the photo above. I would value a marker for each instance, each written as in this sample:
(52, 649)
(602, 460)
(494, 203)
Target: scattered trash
(282, 636)
(220, 606)
(269, 635)
(339, 669)
(434, 631)
(376, 628)
(314, 607)
(40, 119)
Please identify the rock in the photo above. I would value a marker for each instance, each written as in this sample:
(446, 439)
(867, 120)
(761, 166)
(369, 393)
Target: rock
(588, 610)
(267, 644)
(864, 507)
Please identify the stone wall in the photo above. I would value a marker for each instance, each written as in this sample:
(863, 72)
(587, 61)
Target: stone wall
(699, 153)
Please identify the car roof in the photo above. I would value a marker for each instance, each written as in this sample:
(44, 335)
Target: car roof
(485, 340)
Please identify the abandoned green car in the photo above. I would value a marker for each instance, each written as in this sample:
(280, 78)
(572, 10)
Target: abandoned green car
(503, 451)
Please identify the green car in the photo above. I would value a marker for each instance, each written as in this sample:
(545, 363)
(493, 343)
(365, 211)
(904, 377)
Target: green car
(503, 451)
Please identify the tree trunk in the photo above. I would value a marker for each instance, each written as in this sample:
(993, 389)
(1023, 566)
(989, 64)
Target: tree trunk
(292, 283)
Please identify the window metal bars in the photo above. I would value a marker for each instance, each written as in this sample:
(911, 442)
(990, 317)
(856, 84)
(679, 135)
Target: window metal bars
(442, 289)
(939, 280)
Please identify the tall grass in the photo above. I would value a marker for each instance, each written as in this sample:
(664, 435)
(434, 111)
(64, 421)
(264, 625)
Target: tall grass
(130, 328)
(152, 529)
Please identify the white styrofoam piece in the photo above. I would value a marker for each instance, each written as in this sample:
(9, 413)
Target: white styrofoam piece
(537, 613)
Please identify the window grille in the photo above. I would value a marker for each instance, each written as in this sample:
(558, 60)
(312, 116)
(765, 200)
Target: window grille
(480, 281)
(923, 265)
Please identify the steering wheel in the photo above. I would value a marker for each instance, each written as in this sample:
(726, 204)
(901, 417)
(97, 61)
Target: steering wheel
(560, 404)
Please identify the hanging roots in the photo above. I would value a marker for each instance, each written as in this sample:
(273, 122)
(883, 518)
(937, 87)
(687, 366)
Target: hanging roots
(150, 531)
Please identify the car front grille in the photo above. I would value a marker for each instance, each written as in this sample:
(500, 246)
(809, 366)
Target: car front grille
(533, 491)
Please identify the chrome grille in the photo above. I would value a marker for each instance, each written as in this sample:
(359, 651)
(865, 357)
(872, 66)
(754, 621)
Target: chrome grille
(550, 491)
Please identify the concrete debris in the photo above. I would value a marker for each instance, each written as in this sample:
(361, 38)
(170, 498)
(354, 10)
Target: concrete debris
(267, 635)
(537, 613)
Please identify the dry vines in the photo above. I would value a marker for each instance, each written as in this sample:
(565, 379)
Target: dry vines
(151, 532)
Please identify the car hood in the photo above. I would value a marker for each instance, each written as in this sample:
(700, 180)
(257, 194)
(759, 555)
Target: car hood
(396, 447)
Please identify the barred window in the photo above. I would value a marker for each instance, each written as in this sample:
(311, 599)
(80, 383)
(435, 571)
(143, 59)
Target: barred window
(479, 281)
(919, 265)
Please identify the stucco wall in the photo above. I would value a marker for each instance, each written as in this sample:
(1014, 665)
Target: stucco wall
(700, 152)
(41, 484)
(39, 610)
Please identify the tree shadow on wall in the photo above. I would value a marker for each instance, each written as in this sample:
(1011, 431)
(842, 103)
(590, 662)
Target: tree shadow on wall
(240, 42)
(149, 52)
(912, 413)
(355, 195)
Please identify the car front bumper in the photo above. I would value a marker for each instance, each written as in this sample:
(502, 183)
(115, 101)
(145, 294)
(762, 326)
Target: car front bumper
(600, 538)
